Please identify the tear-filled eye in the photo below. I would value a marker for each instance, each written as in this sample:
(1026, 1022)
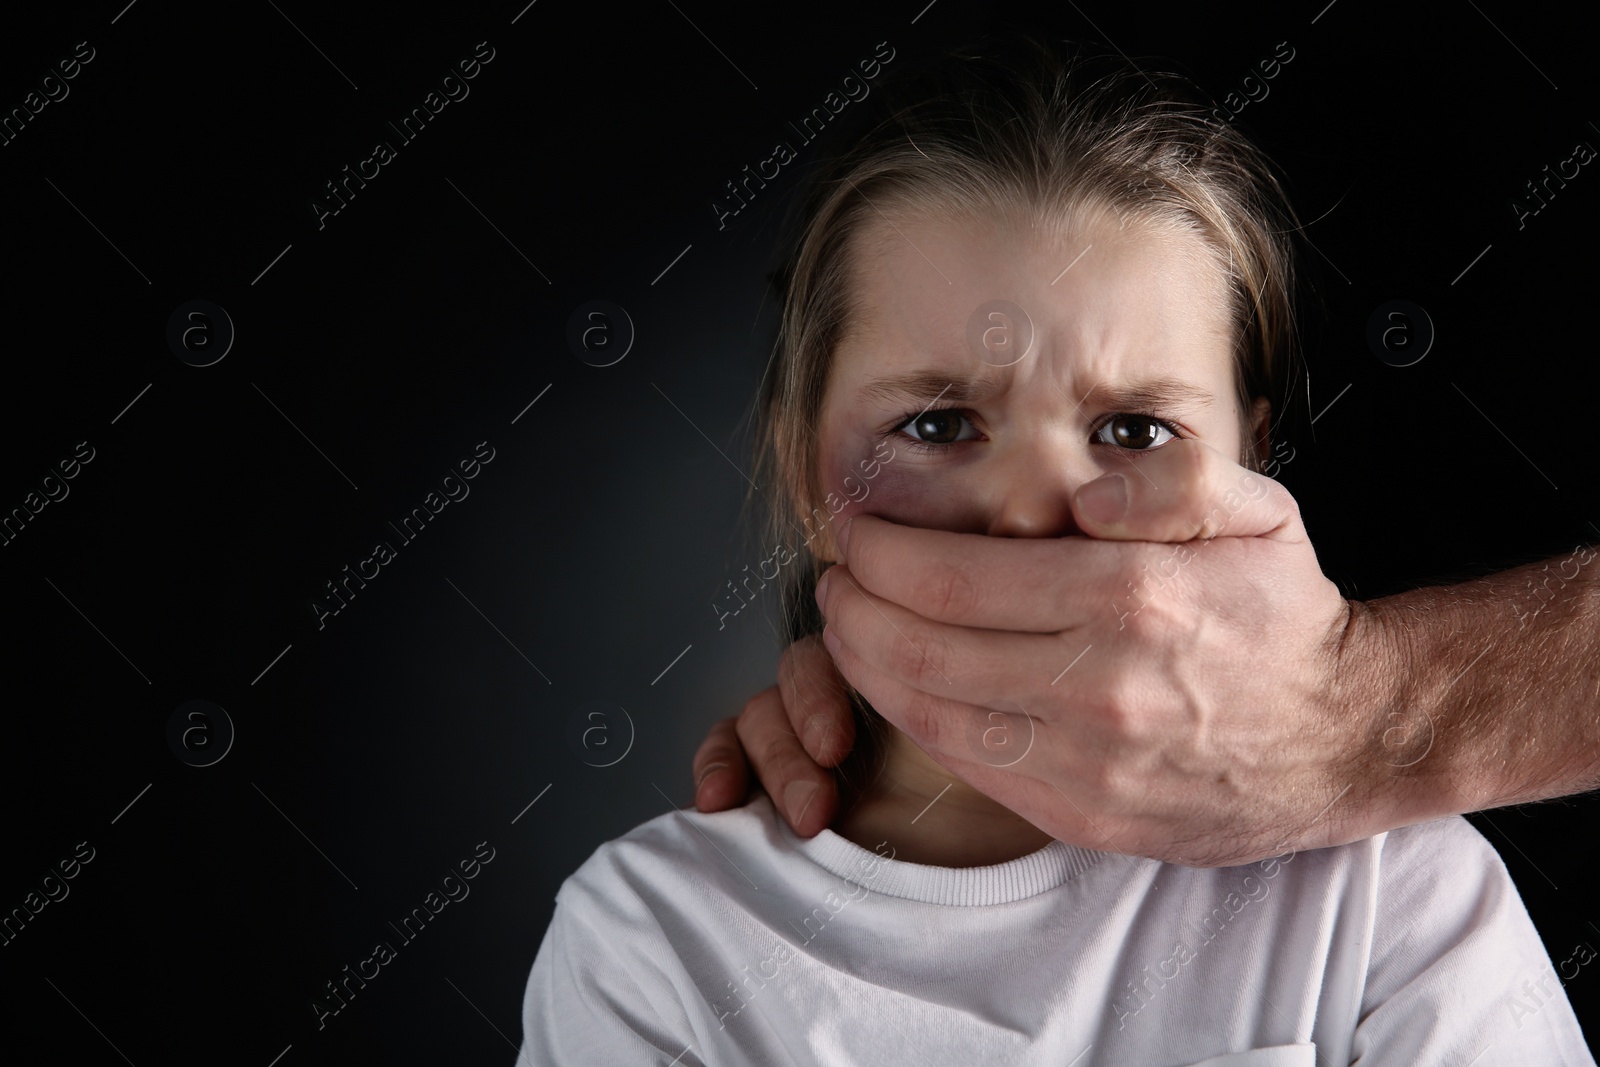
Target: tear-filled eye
(1137, 432)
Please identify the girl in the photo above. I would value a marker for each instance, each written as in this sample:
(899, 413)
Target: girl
(1040, 265)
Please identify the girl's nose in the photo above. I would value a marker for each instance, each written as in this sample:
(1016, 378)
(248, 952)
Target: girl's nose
(1033, 494)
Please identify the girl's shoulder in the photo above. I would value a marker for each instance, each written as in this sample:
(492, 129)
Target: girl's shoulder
(683, 853)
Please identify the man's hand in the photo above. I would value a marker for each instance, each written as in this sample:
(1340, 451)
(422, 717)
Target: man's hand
(1206, 699)
(808, 703)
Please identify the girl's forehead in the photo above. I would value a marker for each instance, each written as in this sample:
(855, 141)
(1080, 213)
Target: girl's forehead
(927, 282)
(882, 231)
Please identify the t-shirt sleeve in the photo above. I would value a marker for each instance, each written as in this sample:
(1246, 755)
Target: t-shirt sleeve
(586, 1004)
(1457, 972)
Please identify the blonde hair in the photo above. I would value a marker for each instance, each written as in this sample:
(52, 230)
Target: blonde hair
(1016, 124)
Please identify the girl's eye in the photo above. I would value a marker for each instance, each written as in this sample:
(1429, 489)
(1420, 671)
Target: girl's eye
(932, 431)
(935, 429)
(1136, 432)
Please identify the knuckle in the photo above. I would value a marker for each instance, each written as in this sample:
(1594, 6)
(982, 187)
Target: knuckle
(814, 691)
(1095, 789)
(792, 656)
(714, 757)
(952, 594)
(1139, 624)
(1145, 597)
(760, 720)
(1121, 714)
(1205, 495)
(920, 718)
(920, 656)
(801, 769)
(777, 752)
(1166, 626)
(1283, 501)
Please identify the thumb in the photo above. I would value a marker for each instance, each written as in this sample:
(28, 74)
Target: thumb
(1182, 491)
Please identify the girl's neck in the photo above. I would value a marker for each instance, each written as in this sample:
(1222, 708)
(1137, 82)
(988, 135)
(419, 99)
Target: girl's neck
(929, 816)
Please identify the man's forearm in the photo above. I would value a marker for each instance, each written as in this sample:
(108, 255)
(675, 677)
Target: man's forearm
(1500, 703)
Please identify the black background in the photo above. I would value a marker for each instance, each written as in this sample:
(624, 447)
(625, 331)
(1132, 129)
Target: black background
(426, 316)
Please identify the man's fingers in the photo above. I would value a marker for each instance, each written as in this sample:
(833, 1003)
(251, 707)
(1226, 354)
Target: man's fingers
(936, 722)
(814, 697)
(968, 665)
(953, 723)
(804, 793)
(994, 753)
(810, 698)
(1001, 583)
(1182, 491)
(721, 772)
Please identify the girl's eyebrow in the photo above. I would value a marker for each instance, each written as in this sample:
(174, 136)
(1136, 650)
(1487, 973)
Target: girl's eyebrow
(934, 386)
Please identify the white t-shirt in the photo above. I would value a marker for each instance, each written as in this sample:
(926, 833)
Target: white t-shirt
(726, 939)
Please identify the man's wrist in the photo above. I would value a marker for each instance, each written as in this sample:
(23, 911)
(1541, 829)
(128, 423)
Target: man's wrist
(1401, 768)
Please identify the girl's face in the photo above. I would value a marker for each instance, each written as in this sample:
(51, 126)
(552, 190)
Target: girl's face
(1060, 356)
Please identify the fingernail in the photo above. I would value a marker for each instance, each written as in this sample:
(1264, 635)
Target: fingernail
(822, 588)
(1105, 500)
(797, 797)
(700, 786)
(831, 639)
(844, 536)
